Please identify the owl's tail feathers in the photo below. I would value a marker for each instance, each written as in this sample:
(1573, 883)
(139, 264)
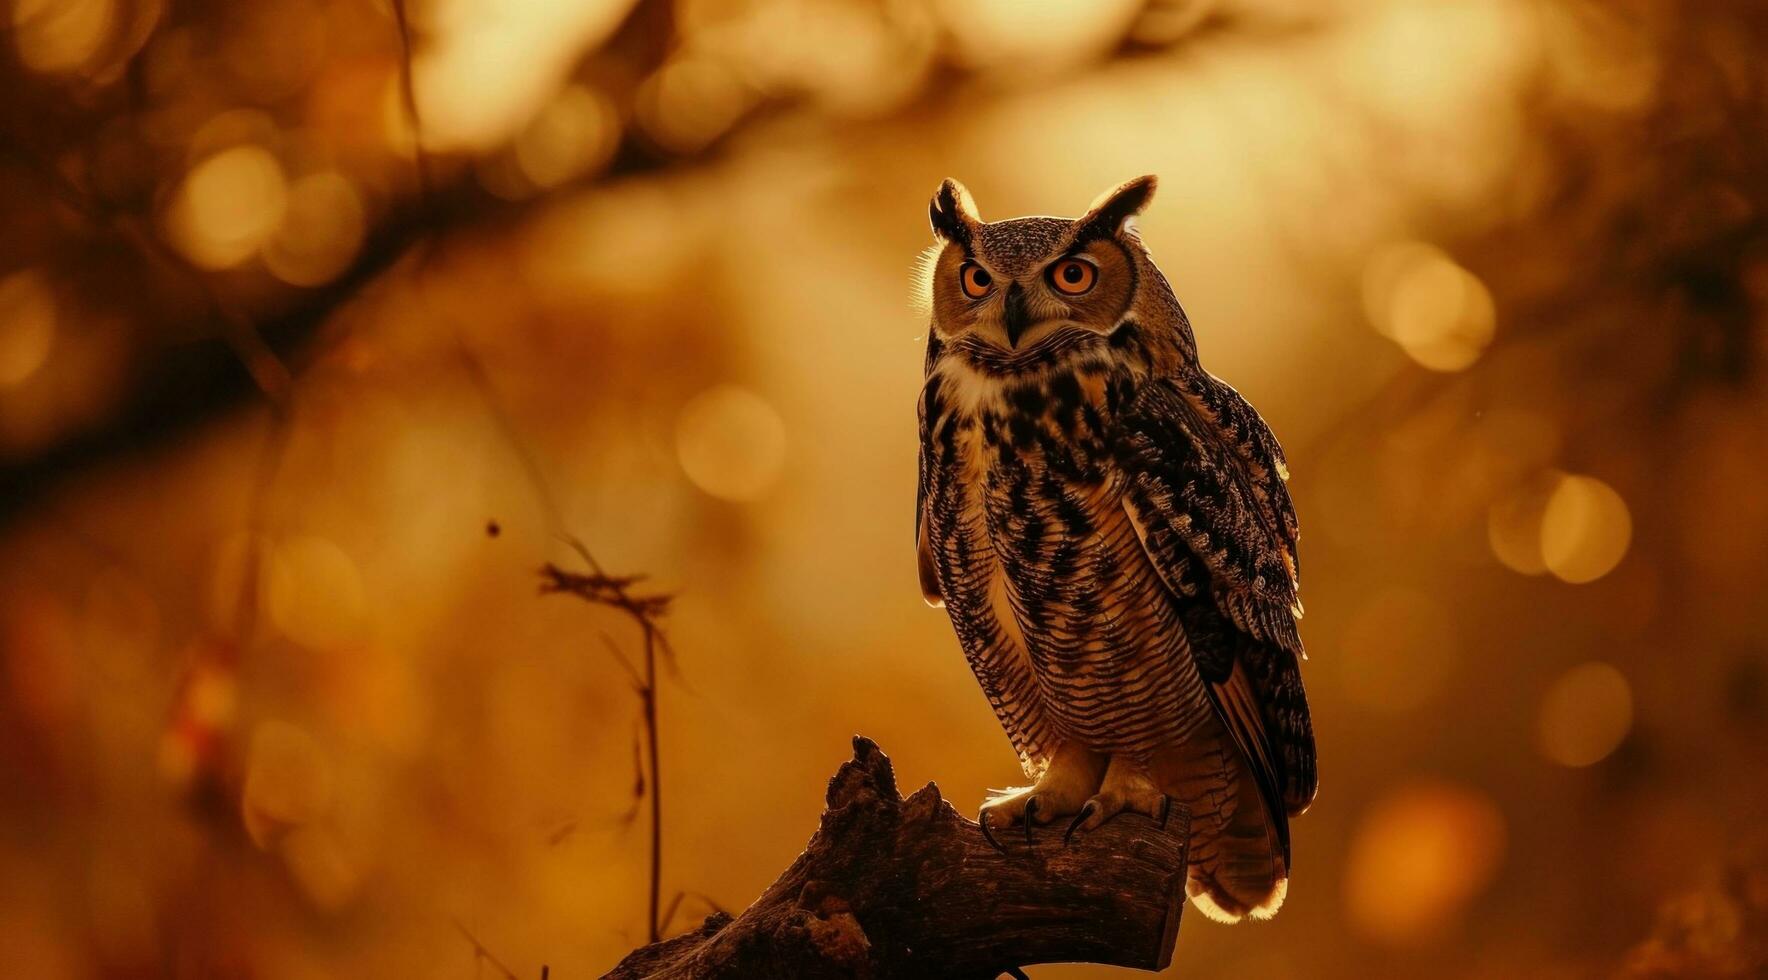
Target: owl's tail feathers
(1237, 869)
(1232, 897)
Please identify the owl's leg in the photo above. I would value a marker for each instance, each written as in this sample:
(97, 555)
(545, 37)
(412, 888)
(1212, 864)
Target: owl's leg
(1128, 786)
(1073, 775)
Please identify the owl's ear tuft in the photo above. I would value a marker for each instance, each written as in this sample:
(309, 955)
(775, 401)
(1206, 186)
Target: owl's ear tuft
(1114, 209)
(953, 213)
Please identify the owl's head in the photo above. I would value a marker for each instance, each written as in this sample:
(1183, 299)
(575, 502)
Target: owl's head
(1013, 283)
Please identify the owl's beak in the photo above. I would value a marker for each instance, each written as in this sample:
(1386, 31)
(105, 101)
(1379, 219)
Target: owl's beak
(1015, 319)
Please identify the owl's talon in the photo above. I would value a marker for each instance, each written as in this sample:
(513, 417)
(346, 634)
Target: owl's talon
(988, 835)
(1061, 789)
(1086, 811)
(1166, 810)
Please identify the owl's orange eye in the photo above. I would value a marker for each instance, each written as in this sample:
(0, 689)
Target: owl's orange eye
(1073, 276)
(975, 280)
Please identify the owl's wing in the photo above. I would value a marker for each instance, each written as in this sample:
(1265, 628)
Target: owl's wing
(1205, 489)
(923, 549)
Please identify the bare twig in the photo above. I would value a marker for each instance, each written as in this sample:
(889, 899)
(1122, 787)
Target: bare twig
(644, 609)
(631, 671)
(676, 902)
(483, 955)
(606, 590)
(597, 587)
(241, 335)
(408, 93)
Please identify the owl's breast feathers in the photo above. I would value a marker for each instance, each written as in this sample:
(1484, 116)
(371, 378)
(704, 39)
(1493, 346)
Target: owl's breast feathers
(1083, 516)
(1024, 536)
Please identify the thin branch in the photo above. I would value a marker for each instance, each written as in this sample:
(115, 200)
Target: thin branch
(483, 955)
(650, 706)
(615, 591)
(267, 371)
(676, 902)
(480, 379)
(638, 683)
(169, 391)
(596, 587)
(606, 590)
(408, 93)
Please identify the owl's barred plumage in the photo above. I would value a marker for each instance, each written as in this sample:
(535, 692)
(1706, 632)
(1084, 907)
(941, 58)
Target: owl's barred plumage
(1109, 529)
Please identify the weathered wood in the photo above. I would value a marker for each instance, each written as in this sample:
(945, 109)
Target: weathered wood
(889, 887)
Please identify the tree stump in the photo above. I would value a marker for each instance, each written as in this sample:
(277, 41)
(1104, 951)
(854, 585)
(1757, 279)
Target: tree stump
(893, 887)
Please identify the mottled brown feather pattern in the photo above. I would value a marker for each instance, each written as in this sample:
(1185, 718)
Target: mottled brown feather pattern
(1109, 529)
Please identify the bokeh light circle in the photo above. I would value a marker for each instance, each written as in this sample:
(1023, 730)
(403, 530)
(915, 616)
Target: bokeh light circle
(1417, 858)
(1513, 523)
(288, 781)
(1585, 530)
(1439, 313)
(56, 36)
(321, 231)
(1585, 715)
(318, 600)
(731, 443)
(689, 102)
(228, 206)
(27, 326)
(574, 134)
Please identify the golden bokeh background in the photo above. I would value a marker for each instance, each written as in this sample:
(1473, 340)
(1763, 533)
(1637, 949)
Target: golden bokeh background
(325, 323)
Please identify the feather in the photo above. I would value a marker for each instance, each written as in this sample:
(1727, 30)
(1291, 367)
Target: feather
(1237, 703)
(928, 413)
(1206, 498)
(921, 281)
(928, 570)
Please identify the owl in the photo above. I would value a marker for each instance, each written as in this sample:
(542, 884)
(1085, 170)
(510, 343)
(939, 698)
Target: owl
(1108, 527)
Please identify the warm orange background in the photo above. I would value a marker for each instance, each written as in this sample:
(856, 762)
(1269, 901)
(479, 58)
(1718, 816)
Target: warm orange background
(276, 704)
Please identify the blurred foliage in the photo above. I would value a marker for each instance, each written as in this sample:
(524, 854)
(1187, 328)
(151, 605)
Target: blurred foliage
(312, 353)
(1716, 929)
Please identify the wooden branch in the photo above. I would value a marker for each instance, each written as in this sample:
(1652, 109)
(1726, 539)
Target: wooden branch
(889, 887)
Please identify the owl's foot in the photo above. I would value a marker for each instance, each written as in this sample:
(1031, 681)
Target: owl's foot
(1127, 787)
(1074, 774)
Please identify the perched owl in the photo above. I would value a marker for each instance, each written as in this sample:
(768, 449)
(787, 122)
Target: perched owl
(1106, 523)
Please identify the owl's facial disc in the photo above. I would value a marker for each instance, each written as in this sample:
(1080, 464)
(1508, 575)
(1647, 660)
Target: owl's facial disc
(1012, 284)
(1015, 301)
(1087, 288)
